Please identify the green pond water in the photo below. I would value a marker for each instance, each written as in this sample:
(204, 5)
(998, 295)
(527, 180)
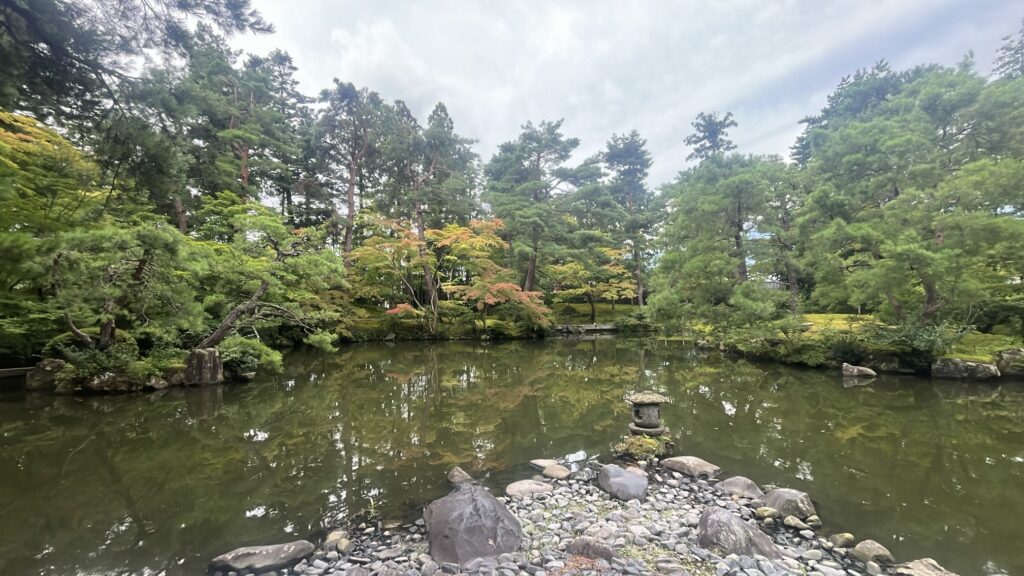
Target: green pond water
(160, 483)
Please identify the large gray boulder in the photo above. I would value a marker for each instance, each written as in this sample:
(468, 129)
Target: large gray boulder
(871, 551)
(621, 484)
(790, 502)
(963, 369)
(858, 371)
(741, 486)
(263, 558)
(44, 375)
(720, 529)
(470, 523)
(923, 567)
(691, 466)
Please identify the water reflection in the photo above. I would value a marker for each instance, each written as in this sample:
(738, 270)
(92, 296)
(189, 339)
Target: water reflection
(163, 482)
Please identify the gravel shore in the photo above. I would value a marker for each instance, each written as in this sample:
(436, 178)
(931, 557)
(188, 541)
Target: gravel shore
(578, 528)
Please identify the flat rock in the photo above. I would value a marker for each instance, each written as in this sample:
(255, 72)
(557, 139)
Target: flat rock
(741, 486)
(922, 567)
(263, 558)
(557, 471)
(720, 529)
(469, 523)
(790, 502)
(621, 484)
(524, 488)
(871, 551)
(542, 463)
(691, 466)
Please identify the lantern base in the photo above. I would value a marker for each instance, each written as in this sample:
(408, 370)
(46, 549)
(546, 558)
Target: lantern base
(634, 429)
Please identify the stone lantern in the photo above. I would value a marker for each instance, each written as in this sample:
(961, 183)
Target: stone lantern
(647, 413)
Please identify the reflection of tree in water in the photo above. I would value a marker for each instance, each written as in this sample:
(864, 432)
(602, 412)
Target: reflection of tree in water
(122, 483)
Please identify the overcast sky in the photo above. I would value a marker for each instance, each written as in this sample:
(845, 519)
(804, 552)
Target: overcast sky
(612, 66)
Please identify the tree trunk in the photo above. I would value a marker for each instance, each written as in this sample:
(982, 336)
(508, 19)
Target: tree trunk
(794, 287)
(429, 285)
(179, 210)
(636, 273)
(350, 216)
(531, 267)
(741, 268)
(593, 309)
(228, 324)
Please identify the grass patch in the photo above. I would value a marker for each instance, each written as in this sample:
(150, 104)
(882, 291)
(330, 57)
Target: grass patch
(978, 347)
(848, 322)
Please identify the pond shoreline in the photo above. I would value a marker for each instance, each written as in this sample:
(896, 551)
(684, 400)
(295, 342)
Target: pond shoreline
(575, 525)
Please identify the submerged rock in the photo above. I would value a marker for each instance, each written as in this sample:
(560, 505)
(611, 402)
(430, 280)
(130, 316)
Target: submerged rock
(263, 558)
(842, 540)
(524, 488)
(542, 463)
(790, 502)
(858, 371)
(741, 486)
(721, 529)
(469, 523)
(557, 471)
(621, 484)
(691, 466)
(923, 567)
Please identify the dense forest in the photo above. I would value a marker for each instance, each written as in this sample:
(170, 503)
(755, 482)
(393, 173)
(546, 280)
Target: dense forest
(163, 192)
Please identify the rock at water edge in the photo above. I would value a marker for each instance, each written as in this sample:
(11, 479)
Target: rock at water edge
(790, 502)
(558, 472)
(923, 567)
(858, 371)
(741, 486)
(470, 523)
(871, 551)
(691, 466)
(264, 558)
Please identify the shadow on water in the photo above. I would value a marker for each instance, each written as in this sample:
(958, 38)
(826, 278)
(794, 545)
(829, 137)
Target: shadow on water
(163, 482)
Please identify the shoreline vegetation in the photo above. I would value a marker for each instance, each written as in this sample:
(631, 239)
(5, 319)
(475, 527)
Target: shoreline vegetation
(183, 223)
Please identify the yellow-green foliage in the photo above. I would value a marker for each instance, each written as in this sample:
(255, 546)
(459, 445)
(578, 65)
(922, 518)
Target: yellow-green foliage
(847, 322)
(978, 347)
(639, 447)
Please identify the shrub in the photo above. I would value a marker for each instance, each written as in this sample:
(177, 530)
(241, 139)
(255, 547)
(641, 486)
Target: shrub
(638, 447)
(242, 355)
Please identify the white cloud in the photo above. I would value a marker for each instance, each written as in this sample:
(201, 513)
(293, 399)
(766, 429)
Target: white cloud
(609, 66)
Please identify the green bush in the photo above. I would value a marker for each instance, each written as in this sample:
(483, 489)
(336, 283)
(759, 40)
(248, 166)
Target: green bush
(242, 355)
(637, 447)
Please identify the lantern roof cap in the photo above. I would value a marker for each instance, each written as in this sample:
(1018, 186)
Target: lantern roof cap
(647, 397)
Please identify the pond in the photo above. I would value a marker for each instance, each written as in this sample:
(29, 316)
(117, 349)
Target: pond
(160, 483)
